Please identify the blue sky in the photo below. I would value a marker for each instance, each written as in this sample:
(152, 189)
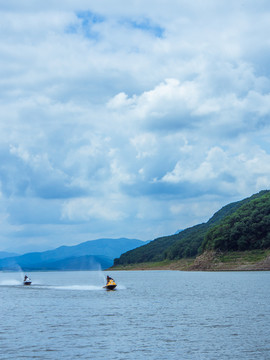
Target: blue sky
(130, 121)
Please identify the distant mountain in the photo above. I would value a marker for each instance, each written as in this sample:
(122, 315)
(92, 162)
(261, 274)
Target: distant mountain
(240, 225)
(87, 262)
(4, 254)
(101, 251)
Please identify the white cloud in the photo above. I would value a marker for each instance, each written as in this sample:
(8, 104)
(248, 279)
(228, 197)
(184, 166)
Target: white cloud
(87, 209)
(130, 121)
(225, 172)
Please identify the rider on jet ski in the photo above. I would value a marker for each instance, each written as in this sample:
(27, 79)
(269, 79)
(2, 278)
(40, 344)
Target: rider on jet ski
(108, 279)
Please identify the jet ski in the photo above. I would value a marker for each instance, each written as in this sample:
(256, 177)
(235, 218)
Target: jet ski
(111, 285)
(27, 281)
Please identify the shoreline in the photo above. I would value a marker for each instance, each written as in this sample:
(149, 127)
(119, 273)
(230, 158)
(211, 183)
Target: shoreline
(255, 260)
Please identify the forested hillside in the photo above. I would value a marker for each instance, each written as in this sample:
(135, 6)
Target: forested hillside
(248, 228)
(249, 216)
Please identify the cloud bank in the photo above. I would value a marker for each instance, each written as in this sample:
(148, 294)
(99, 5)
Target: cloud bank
(129, 121)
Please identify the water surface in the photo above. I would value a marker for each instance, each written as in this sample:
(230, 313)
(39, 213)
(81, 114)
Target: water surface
(151, 315)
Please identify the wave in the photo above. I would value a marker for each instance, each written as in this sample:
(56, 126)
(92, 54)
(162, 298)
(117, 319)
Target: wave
(76, 287)
(39, 285)
(10, 282)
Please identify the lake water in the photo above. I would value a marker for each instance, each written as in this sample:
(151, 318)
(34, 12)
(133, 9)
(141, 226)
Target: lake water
(152, 315)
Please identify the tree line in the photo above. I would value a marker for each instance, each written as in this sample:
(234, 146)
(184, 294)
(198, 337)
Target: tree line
(238, 226)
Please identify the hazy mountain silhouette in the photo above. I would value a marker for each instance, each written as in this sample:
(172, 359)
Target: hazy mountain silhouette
(101, 251)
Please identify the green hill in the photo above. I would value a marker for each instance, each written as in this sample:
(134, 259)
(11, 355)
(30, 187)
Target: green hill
(233, 222)
(248, 228)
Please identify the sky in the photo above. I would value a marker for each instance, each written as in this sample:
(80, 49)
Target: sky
(129, 120)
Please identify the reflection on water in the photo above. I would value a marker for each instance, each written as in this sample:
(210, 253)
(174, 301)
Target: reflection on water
(151, 315)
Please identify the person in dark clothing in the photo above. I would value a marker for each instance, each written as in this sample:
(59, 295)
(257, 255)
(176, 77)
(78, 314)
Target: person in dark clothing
(109, 278)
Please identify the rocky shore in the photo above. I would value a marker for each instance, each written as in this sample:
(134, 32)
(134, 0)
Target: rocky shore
(211, 261)
(216, 261)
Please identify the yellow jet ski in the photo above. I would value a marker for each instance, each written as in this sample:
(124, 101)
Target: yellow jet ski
(111, 285)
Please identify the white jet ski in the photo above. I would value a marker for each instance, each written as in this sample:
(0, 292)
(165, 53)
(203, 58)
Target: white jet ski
(27, 281)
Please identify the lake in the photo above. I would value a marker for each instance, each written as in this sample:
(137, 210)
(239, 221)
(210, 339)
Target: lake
(151, 315)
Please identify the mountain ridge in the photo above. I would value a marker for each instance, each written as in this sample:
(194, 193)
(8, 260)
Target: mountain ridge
(105, 248)
(7, 254)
